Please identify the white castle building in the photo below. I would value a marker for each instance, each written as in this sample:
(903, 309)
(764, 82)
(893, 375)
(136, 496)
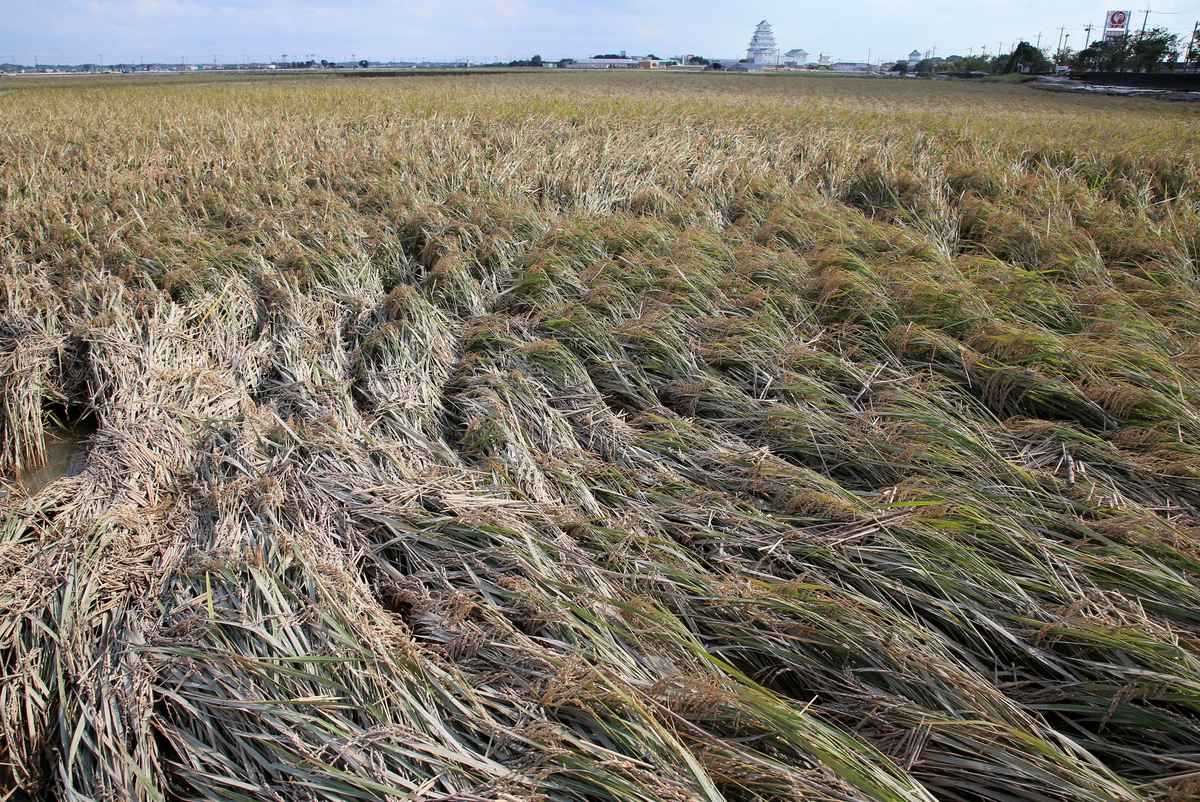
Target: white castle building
(763, 50)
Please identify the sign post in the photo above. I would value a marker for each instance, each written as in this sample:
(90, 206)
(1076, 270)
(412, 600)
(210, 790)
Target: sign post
(1116, 26)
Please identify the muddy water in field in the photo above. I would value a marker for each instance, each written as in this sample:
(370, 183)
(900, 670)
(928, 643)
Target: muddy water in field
(66, 455)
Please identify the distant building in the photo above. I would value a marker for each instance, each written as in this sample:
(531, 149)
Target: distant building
(763, 51)
(620, 63)
(795, 58)
(851, 66)
(914, 58)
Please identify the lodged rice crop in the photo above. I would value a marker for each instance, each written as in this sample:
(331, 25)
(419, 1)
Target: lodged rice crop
(589, 437)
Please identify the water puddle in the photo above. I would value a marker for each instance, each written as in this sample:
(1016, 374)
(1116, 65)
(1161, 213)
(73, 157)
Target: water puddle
(66, 455)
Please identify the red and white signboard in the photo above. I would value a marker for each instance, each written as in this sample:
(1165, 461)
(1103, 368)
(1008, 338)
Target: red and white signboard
(1117, 21)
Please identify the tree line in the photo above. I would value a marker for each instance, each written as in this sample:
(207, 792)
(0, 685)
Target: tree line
(1153, 51)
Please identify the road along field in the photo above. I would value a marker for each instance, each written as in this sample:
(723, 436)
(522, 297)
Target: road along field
(588, 437)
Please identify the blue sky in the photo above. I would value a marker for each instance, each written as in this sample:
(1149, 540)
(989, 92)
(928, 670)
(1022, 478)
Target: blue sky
(231, 30)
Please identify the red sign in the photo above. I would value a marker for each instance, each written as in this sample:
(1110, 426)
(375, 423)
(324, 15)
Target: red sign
(1117, 20)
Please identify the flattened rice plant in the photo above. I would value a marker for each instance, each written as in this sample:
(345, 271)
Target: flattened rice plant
(598, 437)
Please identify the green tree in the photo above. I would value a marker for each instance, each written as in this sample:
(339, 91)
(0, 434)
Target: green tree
(1027, 58)
(900, 67)
(1155, 48)
(1102, 56)
(926, 66)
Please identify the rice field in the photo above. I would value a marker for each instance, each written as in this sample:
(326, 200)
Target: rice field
(598, 437)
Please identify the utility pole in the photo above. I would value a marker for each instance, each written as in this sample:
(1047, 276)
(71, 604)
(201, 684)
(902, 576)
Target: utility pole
(1061, 31)
(1145, 19)
(1039, 41)
(1191, 42)
(1088, 30)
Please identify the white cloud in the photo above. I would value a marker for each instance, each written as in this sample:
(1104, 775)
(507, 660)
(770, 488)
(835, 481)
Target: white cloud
(73, 30)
